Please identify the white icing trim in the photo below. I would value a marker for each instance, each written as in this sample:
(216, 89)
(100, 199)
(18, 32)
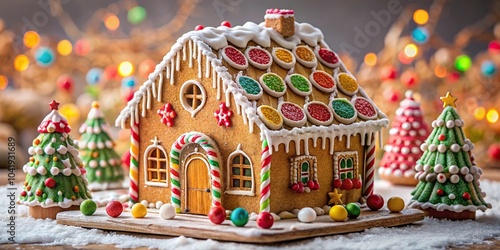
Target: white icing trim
(308, 64)
(442, 207)
(238, 151)
(288, 80)
(155, 145)
(183, 100)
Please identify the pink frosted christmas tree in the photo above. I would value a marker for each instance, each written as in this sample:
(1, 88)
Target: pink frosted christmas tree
(402, 150)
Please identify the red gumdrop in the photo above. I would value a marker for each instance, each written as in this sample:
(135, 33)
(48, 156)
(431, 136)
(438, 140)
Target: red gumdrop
(38, 192)
(316, 186)
(199, 27)
(375, 202)
(300, 190)
(217, 215)
(310, 184)
(114, 209)
(337, 183)
(440, 192)
(347, 184)
(50, 182)
(295, 187)
(466, 196)
(23, 193)
(301, 184)
(265, 220)
(226, 23)
(356, 183)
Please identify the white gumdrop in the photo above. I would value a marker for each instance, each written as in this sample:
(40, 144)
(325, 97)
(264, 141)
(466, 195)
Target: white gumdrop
(450, 124)
(451, 196)
(441, 148)
(306, 215)
(455, 148)
(438, 168)
(454, 179)
(167, 211)
(453, 169)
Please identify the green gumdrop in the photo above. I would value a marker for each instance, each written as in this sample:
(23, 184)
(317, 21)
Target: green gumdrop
(88, 207)
(353, 210)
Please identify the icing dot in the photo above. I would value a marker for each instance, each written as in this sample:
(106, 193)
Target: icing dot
(399, 112)
(453, 169)
(454, 179)
(403, 166)
(442, 148)
(469, 178)
(450, 124)
(473, 169)
(422, 132)
(67, 172)
(464, 170)
(415, 124)
(442, 137)
(441, 178)
(93, 164)
(397, 173)
(41, 170)
(409, 173)
(32, 171)
(402, 132)
(54, 171)
(424, 146)
(405, 150)
(39, 151)
(395, 149)
(226, 24)
(415, 150)
(451, 196)
(432, 147)
(427, 167)
(439, 123)
(387, 148)
(199, 27)
(438, 168)
(407, 143)
(459, 123)
(393, 131)
(406, 126)
(31, 151)
(433, 124)
(408, 112)
(455, 148)
(465, 147)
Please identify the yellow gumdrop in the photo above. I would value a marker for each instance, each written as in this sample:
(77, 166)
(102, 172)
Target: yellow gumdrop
(139, 210)
(395, 204)
(338, 213)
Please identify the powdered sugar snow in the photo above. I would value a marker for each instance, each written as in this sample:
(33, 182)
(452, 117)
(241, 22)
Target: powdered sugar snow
(430, 233)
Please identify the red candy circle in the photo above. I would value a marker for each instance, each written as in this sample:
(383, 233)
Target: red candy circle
(226, 24)
(199, 27)
(50, 182)
(442, 137)
(217, 215)
(328, 57)
(365, 108)
(319, 113)
(234, 57)
(114, 209)
(259, 57)
(265, 220)
(322, 81)
(292, 112)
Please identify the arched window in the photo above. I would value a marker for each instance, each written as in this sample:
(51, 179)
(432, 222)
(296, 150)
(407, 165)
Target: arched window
(240, 173)
(192, 96)
(304, 172)
(345, 165)
(303, 168)
(156, 165)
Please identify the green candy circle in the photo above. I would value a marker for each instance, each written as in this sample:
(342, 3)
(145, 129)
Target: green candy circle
(88, 207)
(353, 210)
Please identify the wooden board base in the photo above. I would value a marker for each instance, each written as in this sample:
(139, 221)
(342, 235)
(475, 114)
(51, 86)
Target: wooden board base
(200, 227)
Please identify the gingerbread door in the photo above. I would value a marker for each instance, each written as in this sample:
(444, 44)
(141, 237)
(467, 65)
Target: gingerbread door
(197, 195)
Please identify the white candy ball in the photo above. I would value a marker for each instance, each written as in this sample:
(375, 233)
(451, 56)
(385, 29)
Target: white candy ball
(450, 124)
(441, 178)
(441, 148)
(145, 203)
(419, 167)
(438, 168)
(423, 146)
(459, 123)
(306, 215)
(455, 148)
(453, 169)
(465, 147)
(432, 147)
(454, 179)
(427, 168)
(159, 204)
(469, 178)
(439, 123)
(451, 196)
(406, 126)
(464, 170)
(167, 211)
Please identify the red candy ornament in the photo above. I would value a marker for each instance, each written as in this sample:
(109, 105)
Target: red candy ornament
(223, 115)
(356, 183)
(440, 192)
(114, 209)
(217, 215)
(442, 137)
(38, 192)
(337, 183)
(466, 196)
(23, 193)
(167, 114)
(310, 184)
(347, 184)
(494, 152)
(226, 24)
(375, 202)
(199, 27)
(50, 182)
(265, 220)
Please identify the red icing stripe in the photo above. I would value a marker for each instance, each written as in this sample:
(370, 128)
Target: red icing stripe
(216, 184)
(265, 190)
(176, 191)
(212, 153)
(174, 173)
(215, 173)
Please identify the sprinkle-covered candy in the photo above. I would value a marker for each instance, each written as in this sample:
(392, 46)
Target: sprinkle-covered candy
(328, 58)
(318, 113)
(234, 57)
(366, 109)
(293, 114)
(343, 110)
(270, 116)
(322, 81)
(284, 58)
(253, 90)
(273, 84)
(299, 84)
(305, 56)
(259, 57)
(347, 84)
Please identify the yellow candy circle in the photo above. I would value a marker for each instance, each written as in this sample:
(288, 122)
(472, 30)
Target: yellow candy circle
(139, 210)
(338, 213)
(270, 116)
(395, 204)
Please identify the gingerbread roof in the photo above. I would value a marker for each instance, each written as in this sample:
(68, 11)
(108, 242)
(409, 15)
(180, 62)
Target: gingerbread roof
(292, 88)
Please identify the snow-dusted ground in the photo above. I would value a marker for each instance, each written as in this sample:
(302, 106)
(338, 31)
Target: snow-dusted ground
(430, 233)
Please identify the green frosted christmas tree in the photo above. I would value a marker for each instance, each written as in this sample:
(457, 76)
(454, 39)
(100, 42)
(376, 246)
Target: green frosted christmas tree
(55, 179)
(103, 164)
(448, 180)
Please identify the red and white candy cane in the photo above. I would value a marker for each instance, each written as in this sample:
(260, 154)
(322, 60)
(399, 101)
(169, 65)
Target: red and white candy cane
(265, 177)
(134, 163)
(369, 168)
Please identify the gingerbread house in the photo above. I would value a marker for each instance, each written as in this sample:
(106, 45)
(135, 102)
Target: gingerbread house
(260, 116)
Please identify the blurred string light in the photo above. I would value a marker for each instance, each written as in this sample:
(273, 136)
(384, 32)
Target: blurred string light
(371, 59)
(494, 47)
(403, 58)
(64, 47)
(44, 56)
(82, 47)
(420, 17)
(440, 71)
(492, 116)
(70, 111)
(411, 50)
(125, 69)
(463, 63)
(94, 76)
(21, 62)
(479, 113)
(111, 22)
(4, 82)
(31, 39)
(488, 69)
(420, 35)
(136, 15)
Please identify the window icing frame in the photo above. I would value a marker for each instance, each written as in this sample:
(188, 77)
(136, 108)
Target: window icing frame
(229, 188)
(184, 102)
(337, 156)
(296, 168)
(154, 146)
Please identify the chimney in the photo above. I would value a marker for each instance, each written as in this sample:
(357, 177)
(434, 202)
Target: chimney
(282, 21)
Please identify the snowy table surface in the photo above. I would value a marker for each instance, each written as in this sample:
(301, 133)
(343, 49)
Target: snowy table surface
(430, 233)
